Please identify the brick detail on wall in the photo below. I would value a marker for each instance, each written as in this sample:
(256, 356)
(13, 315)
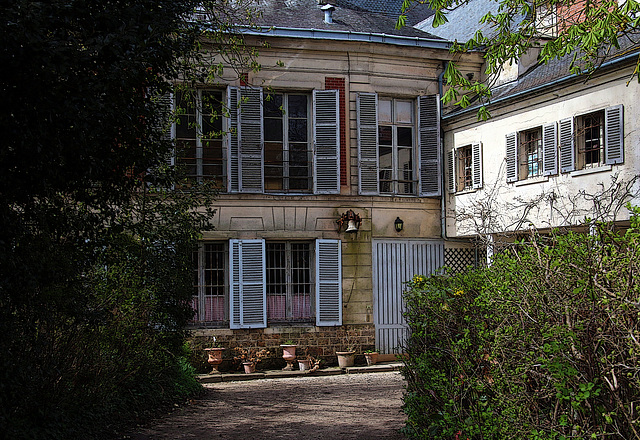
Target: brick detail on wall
(319, 342)
(331, 83)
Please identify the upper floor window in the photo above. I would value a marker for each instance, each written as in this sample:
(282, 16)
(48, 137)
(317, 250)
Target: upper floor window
(396, 140)
(465, 168)
(288, 158)
(398, 145)
(592, 140)
(530, 154)
(199, 134)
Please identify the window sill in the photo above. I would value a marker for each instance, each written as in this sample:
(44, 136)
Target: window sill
(466, 191)
(532, 181)
(587, 171)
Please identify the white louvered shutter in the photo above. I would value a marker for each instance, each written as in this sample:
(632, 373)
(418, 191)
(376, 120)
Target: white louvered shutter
(550, 149)
(613, 135)
(451, 166)
(567, 146)
(232, 139)
(328, 282)
(512, 156)
(251, 146)
(326, 138)
(476, 163)
(367, 109)
(247, 280)
(429, 145)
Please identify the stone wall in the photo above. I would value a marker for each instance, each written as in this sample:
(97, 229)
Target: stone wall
(319, 342)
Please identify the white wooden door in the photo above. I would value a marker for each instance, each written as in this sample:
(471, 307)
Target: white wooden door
(394, 263)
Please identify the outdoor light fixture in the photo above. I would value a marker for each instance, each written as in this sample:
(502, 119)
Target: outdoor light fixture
(351, 219)
(398, 224)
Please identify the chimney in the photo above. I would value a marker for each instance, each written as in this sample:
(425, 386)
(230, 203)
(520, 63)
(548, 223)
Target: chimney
(328, 13)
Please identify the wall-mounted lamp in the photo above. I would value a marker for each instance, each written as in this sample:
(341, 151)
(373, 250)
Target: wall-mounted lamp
(351, 219)
(398, 224)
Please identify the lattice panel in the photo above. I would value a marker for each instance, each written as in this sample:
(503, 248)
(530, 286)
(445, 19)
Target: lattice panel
(459, 259)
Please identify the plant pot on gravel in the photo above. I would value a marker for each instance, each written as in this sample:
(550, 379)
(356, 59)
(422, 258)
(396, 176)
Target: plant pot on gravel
(215, 358)
(289, 355)
(346, 358)
(371, 357)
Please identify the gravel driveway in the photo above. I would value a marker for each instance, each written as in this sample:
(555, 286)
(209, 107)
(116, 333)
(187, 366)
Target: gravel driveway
(348, 406)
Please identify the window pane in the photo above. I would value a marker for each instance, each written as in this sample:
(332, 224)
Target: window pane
(273, 106)
(385, 135)
(297, 130)
(405, 136)
(297, 106)
(404, 112)
(384, 110)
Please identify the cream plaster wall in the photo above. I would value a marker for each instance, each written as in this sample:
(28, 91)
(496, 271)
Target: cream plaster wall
(558, 190)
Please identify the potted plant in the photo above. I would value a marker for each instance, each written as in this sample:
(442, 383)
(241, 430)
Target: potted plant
(249, 357)
(309, 363)
(371, 356)
(289, 354)
(214, 356)
(347, 352)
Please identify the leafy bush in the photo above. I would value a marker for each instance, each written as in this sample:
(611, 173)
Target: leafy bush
(543, 344)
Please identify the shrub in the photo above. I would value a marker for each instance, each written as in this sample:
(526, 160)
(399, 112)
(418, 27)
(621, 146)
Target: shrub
(543, 344)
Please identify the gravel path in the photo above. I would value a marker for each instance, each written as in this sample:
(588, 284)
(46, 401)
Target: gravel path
(349, 406)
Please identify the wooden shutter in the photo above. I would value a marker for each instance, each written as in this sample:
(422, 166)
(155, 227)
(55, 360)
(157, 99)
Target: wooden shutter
(251, 144)
(232, 139)
(326, 138)
(429, 145)
(328, 282)
(452, 165)
(567, 146)
(476, 163)
(613, 135)
(247, 279)
(550, 149)
(367, 109)
(511, 142)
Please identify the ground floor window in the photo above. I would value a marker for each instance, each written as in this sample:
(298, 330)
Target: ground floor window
(289, 286)
(209, 300)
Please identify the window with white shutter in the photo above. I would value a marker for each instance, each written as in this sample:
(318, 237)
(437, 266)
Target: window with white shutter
(429, 145)
(328, 282)
(512, 157)
(465, 168)
(550, 149)
(247, 284)
(326, 137)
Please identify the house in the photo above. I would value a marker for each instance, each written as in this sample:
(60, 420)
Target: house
(559, 148)
(339, 127)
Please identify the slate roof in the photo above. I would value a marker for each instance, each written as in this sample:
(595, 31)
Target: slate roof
(391, 8)
(463, 21)
(306, 14)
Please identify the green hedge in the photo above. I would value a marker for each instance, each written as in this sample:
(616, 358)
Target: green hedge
(543, 344)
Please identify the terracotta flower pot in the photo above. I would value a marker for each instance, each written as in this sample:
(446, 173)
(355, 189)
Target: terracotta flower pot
(289, 355)
(371, 358)
(215, 358)
(249, 367)
(346, 358)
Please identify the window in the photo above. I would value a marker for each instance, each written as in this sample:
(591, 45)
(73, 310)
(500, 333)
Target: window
(398, 145)
(530, 154)
(248, 283)
(198, 132)
(209, 284)
(592, 140)
(396, 141)
(465, 168)
(287, 156)
(289, 287)
(283, 142)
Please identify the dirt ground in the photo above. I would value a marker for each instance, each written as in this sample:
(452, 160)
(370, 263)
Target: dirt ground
(349, 406)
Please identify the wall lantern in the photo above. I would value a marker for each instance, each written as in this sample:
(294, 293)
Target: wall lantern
(398, 224)
(351, 219)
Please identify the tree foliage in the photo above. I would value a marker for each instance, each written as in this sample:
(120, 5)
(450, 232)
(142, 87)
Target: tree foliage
(588, 32)
(543, 344)
(95, 245)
